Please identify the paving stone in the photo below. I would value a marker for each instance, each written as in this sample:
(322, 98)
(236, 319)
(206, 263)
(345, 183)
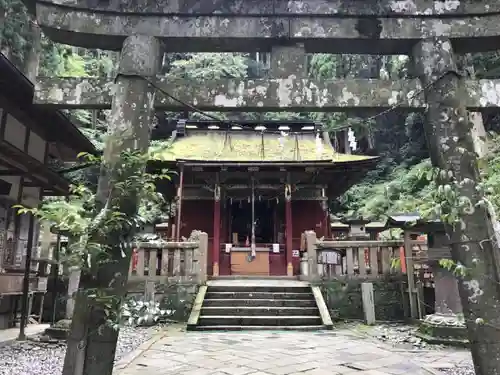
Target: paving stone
(195, 371)
(317, 371)
(281, 353)
(374, 372)
(236, 370)
(291, 369)
(261, 365)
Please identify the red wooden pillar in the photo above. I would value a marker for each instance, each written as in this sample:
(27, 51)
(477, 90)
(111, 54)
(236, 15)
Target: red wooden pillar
(216, 244)
(288, 230)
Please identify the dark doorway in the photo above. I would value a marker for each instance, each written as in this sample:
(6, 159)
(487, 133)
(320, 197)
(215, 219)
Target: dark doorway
(241, 213)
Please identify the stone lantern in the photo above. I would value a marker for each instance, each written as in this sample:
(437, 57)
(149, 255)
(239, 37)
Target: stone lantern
(446, 325)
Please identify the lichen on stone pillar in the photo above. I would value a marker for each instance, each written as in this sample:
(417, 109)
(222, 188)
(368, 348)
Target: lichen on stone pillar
(448, 133)
(92, 342)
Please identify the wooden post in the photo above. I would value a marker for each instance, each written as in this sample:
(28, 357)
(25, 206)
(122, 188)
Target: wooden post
(410, 274)
(25, 302)
(288, 228)
(312, 254)
(368, 303)
(149, 291)
(54, 271)
(216, 243)
(179, 205)
(202, 257)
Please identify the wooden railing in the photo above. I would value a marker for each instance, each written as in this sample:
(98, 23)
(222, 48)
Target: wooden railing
(356, 258)
(366, 258)
(170, 261)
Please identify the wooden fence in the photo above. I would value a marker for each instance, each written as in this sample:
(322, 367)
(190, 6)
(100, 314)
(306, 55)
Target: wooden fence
(170, 261)
(364, 259)
(356, 258)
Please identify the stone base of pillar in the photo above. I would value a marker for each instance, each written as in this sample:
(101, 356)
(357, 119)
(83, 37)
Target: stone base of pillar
(445, 329)
(59, 331)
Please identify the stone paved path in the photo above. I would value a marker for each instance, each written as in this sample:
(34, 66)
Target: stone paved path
(274, 353)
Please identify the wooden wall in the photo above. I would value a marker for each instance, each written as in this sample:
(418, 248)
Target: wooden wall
(306, 215)
(198, 215)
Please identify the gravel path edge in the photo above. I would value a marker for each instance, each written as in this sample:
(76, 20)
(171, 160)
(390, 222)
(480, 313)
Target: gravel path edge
(123, 363)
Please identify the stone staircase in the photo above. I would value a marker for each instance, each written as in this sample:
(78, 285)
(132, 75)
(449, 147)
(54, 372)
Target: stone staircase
(259, 305)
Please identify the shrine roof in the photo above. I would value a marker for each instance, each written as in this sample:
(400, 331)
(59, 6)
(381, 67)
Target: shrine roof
(248, 146)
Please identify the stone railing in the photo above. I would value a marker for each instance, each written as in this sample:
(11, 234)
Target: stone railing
(364, 259)
(164, 261)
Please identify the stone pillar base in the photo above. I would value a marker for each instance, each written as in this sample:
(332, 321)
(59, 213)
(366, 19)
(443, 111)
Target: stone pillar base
(59, 331)
(443, 329)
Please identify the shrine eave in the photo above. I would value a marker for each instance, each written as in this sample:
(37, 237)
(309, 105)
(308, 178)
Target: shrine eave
(393, 33)
(17, 94)
(38, 173)
(326, 165)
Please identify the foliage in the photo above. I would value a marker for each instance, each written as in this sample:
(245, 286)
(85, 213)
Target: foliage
(143, 313)
(210, 66)
(79, 217)
(458, 269)
(413, 188)
(402, 190)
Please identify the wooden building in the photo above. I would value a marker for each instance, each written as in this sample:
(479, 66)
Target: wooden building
(31, 140)
(255, 187)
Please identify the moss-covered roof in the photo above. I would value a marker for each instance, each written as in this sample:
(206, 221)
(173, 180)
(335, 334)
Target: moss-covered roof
(244, 146)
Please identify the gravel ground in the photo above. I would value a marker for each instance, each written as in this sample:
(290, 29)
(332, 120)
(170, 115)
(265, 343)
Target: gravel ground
(401, 336)
(464, 370)
(36, 358)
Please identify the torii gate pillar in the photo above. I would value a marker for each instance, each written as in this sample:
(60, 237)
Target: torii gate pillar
(129, 129)
(448, 132)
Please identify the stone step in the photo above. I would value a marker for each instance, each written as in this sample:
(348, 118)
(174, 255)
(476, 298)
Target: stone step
(258, 328)
(245, 320)
(259, 311)
(260, 302)
(258, 289)
(246, 278)
(258, 295)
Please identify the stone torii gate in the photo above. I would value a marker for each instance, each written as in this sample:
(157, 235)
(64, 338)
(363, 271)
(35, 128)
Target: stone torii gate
(430, 32)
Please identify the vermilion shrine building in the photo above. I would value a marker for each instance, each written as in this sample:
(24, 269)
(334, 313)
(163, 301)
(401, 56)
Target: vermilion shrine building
(278, 175)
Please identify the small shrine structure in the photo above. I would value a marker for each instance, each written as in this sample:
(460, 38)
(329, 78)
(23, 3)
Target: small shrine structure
(255, 188)
(32, 140)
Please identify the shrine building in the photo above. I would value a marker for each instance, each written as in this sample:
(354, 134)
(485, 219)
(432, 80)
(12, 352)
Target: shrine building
(255, 188)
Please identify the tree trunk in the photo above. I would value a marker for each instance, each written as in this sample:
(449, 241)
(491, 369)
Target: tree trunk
(448, 133)
(92, 343)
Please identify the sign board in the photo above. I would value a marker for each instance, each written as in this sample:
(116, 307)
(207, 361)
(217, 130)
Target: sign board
(295, 253)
